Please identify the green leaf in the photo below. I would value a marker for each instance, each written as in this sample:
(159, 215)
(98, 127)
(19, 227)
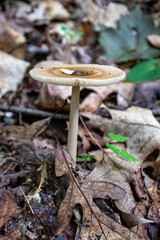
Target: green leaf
(128, 157)
(85, 158)
(145, 71)
(113, 148)
(129, 42)
(118, 138)
(122, 152)
(64, 28)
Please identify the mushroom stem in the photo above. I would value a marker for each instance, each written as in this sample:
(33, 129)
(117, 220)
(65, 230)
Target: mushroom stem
(73, 123)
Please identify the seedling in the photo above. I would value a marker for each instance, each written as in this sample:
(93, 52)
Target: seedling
(85, 158)
(72, 34)
(120, 152)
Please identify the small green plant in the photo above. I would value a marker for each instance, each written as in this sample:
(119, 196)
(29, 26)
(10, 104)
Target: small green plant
(121, 152)
(72, 34)
(85, 158)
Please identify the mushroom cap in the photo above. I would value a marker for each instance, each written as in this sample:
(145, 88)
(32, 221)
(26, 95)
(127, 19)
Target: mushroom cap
(90, 75)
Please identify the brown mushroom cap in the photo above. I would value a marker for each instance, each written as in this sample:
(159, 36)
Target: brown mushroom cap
(92, 75)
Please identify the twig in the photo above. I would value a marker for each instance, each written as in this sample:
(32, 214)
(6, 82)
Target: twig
(33, 112)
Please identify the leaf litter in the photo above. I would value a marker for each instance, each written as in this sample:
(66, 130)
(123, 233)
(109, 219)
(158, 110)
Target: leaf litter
(107, 197)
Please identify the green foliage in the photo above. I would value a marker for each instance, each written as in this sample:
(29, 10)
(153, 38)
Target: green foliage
(145, 71)
(71, 34)
(118, 138)
(85, 158)
(129, 42)
(128, 156)
(121, 152)
(113, 148)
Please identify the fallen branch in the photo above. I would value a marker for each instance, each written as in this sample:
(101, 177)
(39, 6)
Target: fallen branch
(33, 112)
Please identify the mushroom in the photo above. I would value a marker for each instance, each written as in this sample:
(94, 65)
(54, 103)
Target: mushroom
(76, 76)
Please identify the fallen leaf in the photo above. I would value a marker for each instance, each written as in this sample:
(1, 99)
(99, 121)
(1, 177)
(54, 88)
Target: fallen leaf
(108, 15)
(12, 42)
(42, 12)
(7, 207)
(124, 92)
(94, 222)
(12, 72)
(90, 103)
(136, 123)
(52, 97)
(28, 132)
(14, 235)
(154, 40)
(146, 94)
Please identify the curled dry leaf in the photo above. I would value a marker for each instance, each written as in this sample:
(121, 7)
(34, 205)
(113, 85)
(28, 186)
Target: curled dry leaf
(7, 207)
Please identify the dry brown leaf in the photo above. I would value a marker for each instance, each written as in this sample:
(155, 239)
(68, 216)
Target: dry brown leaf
(14, 235)
(91, 102)
(154, 40)
(12, 72)
(94, 222)
(155, 195)
(43, 11)
(108, 15)
(12, 42)
(7, 207)
(52, 97)
(61, 167)
(124, 92)
(43, 173)
(116, 172)
(136, 123)
(28, 132)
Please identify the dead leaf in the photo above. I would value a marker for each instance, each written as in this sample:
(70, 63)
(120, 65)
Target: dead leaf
(115, 171)
(94, 222)
(91, 102)
(12, 72)
(43, 169)
(108, 15)
(132, 220)
(12, 42)
(124, 92)
(61, 167)
(28, 132)
(155, 196)
(154, 40)
(136, 123)
(42, 12)
(52, 97)
(14, 235)
(7, 207)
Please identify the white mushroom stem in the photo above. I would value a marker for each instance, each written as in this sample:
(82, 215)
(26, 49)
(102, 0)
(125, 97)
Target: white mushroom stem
(73, 123)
